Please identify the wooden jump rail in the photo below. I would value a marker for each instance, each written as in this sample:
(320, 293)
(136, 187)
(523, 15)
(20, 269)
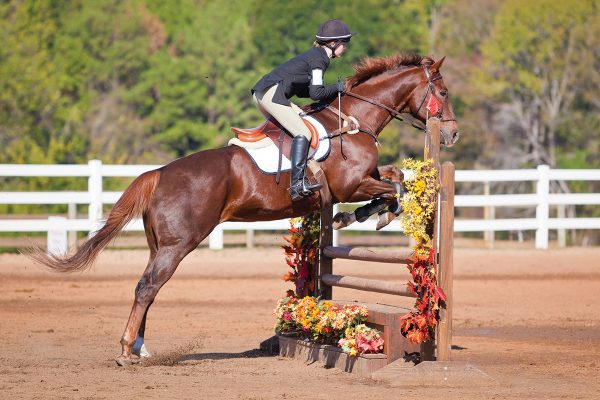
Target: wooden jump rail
(364, 254)
(442, 234)
(368, 285)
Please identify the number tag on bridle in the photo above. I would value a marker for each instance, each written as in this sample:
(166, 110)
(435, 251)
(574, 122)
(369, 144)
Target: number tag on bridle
(433, 105)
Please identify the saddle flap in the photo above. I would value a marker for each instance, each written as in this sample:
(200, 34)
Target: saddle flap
(272, 129)
(270, 138)
(254, 134)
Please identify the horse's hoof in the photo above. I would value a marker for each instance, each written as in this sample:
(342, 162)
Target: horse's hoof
(384, 220)
(123, 361)
(342, 220)
(139, 349)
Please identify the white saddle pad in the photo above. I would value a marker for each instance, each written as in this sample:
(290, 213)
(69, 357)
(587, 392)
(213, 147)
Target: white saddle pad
(267, 158)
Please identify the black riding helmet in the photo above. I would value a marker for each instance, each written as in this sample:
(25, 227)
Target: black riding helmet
(334, 30)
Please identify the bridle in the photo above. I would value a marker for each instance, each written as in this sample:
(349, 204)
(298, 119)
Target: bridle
(406, 117)
(431, 90)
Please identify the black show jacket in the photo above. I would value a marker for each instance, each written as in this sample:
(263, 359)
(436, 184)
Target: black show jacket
(294, 78)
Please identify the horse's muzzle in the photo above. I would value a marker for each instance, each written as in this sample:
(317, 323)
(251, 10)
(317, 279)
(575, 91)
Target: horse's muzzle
(450, 135)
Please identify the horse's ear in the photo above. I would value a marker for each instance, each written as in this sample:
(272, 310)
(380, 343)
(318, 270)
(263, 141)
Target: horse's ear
(437, 65)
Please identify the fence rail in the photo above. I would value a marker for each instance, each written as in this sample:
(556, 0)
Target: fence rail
(95, 197)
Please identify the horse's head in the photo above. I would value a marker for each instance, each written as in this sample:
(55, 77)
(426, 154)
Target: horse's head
(399, 85)
(430, 99)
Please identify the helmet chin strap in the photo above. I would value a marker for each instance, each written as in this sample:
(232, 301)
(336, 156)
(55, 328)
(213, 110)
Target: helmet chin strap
(333, 48)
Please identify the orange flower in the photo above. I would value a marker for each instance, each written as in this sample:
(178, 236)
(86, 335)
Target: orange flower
(416, 336)
(421, 321)
(289, 277)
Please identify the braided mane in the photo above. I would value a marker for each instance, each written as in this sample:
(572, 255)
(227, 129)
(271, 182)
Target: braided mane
(370, 67)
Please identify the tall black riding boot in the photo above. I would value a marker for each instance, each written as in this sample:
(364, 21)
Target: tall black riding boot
(299, 187)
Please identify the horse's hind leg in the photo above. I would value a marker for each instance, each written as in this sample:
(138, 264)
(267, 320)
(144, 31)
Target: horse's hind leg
(159, 271)
(139, 347)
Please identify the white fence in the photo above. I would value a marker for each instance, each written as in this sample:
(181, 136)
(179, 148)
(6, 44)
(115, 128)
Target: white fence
(95, 197)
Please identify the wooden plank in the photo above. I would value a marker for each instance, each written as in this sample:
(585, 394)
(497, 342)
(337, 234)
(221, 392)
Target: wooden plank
(432, 141)
(445, 270)
(432, 151)
(367, 285)
(364, 254)
(386, 319)
(325, 265)
(331, 356)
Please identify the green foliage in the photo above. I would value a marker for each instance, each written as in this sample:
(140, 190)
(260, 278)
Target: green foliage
(150, 80)
(534, 40)
(536, 62)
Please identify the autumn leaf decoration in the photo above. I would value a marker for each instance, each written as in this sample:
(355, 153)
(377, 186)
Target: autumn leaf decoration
(301, 252)
(419, 204)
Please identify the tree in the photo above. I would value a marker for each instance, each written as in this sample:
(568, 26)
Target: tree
(34, 114)
(537, 62)
(198, 82)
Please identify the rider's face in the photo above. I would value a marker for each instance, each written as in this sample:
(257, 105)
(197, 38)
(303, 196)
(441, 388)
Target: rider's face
(341, 49)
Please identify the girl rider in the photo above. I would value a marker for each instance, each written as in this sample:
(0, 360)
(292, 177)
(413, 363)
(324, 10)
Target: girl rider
(302, 76)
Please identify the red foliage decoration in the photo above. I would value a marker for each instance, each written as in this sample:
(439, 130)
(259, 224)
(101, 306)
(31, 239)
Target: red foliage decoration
(301, 253)
(419, 326)
(419, 204)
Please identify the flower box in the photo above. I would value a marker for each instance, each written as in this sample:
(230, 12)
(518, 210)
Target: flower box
(330, 356)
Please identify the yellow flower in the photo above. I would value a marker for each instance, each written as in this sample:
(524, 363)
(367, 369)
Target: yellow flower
(419, 187)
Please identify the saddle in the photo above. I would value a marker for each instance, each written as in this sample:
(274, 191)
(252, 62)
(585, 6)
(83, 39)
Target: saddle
(271, 129)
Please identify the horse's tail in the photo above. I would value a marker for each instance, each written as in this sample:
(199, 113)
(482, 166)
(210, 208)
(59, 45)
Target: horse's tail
(134, 202)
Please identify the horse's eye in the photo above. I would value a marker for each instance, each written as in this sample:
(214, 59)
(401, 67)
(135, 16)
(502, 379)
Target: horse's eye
(443, 93)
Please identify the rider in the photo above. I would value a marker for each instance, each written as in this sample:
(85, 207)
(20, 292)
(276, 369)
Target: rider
(302, 76)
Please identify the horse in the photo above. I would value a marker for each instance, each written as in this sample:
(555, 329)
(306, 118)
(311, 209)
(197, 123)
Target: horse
(183, 201)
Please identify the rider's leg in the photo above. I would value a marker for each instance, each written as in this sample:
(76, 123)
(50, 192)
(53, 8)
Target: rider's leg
(294, 124)
(299, 185)
(260, 107)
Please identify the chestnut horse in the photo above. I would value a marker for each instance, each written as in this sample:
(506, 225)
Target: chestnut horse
(182, 202)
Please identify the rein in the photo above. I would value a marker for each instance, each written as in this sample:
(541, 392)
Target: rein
(401, 116)
(404, 117)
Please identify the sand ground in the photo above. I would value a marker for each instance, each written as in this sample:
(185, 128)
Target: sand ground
(529, 319)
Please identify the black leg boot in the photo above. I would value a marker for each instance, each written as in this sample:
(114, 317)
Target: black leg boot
(299, 187)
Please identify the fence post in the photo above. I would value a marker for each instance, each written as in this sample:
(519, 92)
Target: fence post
(215, 239)
(95, 192)
(542, 211)
(489, 213)
(562, 233)
(57, 236)
(72, 235)
(335, 233)
(432, 151)
(446, 262)
(249, 238)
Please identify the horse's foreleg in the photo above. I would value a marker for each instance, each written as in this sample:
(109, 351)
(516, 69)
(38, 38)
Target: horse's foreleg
(386, 195)
(361, 214)
(391, 173)
(158, 272)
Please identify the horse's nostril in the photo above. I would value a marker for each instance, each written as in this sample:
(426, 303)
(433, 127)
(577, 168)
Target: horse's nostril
(455, 136)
